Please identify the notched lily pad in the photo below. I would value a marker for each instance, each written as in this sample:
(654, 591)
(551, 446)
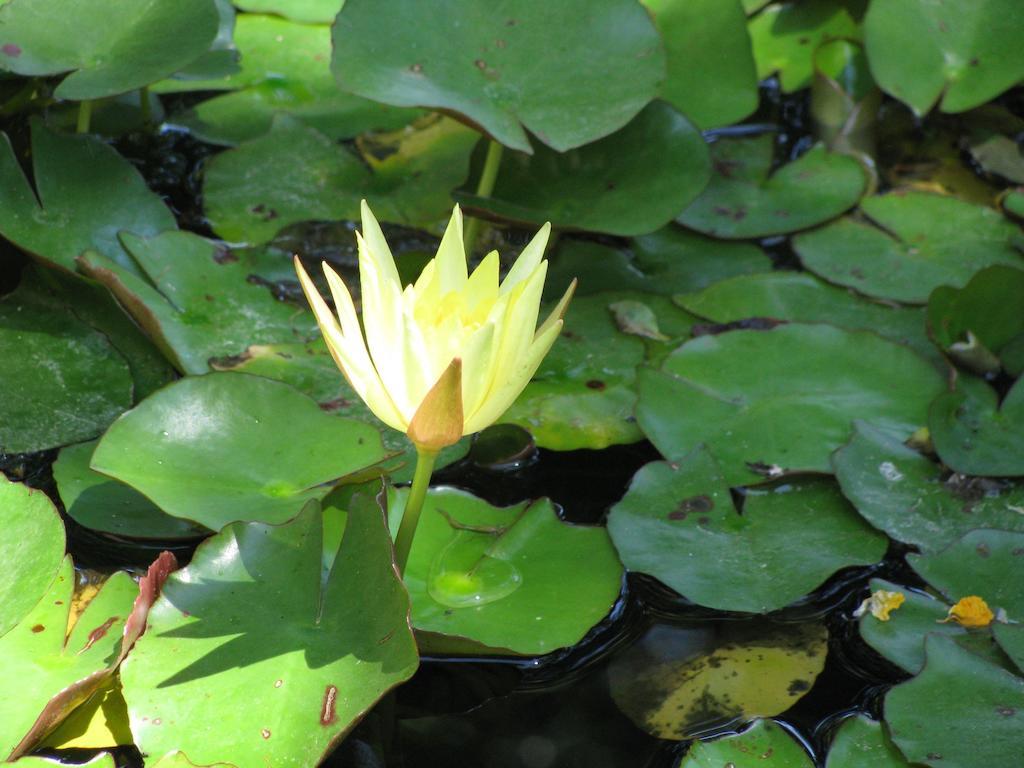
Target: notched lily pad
(495, 576)
(254, 612)
(228, 446)
(765, 744)
(629, 183)
(983, 700)
(63, 381)
(295, 173)
(85, 193)
(737, 392)
(974, 433)
(198, 303)
(506, 71)
(861, 742)
(746, 199)
(136, 43)
(908, 496)
(678, 523)
(908, 243)
(678, 682)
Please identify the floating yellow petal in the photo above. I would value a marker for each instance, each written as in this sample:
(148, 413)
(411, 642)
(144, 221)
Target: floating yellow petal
(970, 611)
(445, 356)
(881, 603)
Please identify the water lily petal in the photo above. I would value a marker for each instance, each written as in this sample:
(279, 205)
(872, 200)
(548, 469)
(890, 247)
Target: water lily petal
(451, 256)
(376, 246)
(438, 420)
(477, 358)
(528, 260)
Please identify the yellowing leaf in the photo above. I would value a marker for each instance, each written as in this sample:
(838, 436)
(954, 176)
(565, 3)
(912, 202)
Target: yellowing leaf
(101, 722)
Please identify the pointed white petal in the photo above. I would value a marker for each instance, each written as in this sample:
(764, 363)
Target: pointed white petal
(528, 260)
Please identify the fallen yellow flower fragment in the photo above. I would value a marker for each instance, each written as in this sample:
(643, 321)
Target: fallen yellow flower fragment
(970, 611)
(881, 603)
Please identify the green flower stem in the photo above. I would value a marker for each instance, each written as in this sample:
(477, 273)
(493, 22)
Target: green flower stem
(484, 188)
(84, 116)
(147, 117)
(20, 99)
(413, 506)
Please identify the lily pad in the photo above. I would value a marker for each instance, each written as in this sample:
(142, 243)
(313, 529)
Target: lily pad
(765, 744)
(629, 183)
(100, 723)
(922, 51)
(310, 369)
(801, 297)
(772, 402)
(668, 261)
(498, 576)
(908, 496)
(678, 524)
(228, 446)
(295, 173)
(583, 394)
(861, 742)
(785, 36)
(711, 77)
(199, 303)
(63, 381)
(1011, 639)
(306, 11)
(137, 44)
(982, 700)
(975, 324)
(985, 562)
(285, 69)
(85, 193)
(30, 550)
(505, 71)
(49, 667)
(745, 198)
(101, 504)
(254, 654)
(974, 433)
(901, 639)
(910, 243)
(677, 682)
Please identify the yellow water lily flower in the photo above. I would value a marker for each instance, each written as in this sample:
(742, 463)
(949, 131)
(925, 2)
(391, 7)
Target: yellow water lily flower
(880, 604)
(970, 611)
(445, 356)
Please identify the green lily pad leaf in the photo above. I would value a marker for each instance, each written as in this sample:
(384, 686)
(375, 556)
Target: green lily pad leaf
(41, 409)
(982, 317)
(746, 199)
(911, 243)
(498, 576)
(629, 183)
(1012, 202)
(91, 303)
(199, 304)
(505, 71)
(679, 681)
(49, 667)
(221, 58)
(668, 261)
(102, 504)
(990, 141)
(285, 69)
(104, 760)
(255, 613)
(135, 45)
(922, 51)
(984, 702)
(295, 173)
(975, 434)
(305, 11)
(901, 492)
(678, 524)
(179, 759)
(735, 392)
(87, 193)
(985, 562)
(1011, 639)
(100, 723)
(711, 77)
(786, 35)
(901, 638)
(763, 745)
(802, 298)
(310, 369)
(30, 551)
(861, 742)
(583, 394)
(227, 446)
